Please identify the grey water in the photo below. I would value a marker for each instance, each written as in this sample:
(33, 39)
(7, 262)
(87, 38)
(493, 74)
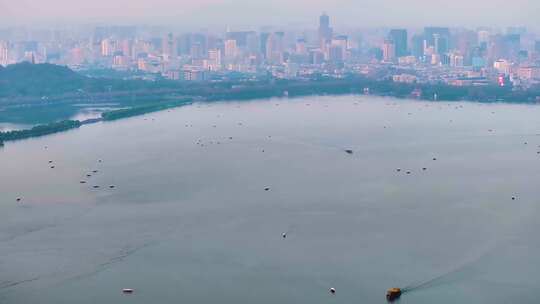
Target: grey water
(26, 117)
(189, 220)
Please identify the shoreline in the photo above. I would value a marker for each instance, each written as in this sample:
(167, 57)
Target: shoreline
(353, 87)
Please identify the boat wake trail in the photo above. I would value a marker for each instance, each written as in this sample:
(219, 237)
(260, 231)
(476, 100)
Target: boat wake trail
(449, 276)
(9, 284)
(118, 258)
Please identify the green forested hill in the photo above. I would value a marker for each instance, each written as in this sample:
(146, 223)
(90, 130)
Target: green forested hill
(26, 79)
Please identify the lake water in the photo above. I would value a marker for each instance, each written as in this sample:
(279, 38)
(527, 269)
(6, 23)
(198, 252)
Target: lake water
(25, 117)
(189, 220)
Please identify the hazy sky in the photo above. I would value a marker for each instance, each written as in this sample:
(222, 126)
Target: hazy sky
(237, 13)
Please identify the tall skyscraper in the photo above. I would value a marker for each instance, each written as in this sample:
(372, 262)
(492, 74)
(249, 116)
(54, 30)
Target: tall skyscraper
(263, 42)
(4, 53)
(325, 31)
(483, 36)
(300, 47)
(107, 47)
(399, 36)
(214, 57)
(196, 51)
(389, 51)
(253, 44)
(183, 44)
(169, 46)
(465, 42)
(417, 47)
(231, 49)
(438, 38)
(275, 48)
(513, 45)
(342, 43)
(126, 46)
(335, 53)
(496, 49)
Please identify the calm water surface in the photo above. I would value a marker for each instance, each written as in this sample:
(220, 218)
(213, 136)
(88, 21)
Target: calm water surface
(189, 220)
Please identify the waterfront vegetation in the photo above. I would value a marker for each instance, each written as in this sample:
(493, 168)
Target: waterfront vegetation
(40, 130)
(143, 109)
(32, 83)
(29, 86)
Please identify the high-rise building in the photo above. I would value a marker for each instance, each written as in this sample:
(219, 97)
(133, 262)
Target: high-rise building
(253, 44)
(389, 51)
(4, 53)
(264, 41)
(244, 40)
(300, 47)
(438, 38)
(201, 40)
(512, 45)
(456, 60)
(325, 31)
(399, 36)
(275, 48)
(519, 30)
(417, 46)
(126, 46)
(169, 46)
(231, 49)
(316, 57)
(183, 44)
(107, 47)
(503, 66)
(483, 36)
(341, 41)
(466, 42)
(196, 51)
(214, 59)
(335, 53)
(496, 49)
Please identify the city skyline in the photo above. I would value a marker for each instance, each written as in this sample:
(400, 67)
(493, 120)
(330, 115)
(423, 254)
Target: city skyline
(243, 13)
(455, 56)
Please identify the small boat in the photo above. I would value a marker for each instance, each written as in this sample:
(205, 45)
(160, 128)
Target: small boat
(349, 151)
(127, 290)
(266, 189)
(18, 199)
(284, 234)
(332, 290)
(95, 187)
(82, 182)
(111, 186)
(393, 294)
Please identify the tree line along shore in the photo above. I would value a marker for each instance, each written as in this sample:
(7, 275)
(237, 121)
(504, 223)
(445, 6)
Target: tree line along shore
(27, 85)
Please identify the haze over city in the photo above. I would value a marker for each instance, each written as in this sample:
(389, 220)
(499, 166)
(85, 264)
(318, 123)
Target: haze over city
(249, 13)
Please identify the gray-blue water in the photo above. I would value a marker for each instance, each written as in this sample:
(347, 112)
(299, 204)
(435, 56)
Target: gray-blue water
(189, 220)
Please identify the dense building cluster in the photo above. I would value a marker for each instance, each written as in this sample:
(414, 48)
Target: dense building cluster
(454, 56)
